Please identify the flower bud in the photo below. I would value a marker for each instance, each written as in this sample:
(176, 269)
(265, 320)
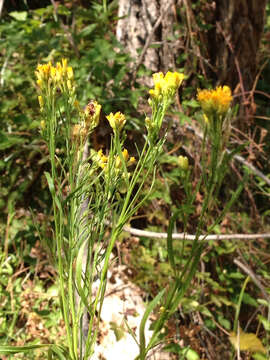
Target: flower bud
(183, 162)
(41, 102)
(117, 121)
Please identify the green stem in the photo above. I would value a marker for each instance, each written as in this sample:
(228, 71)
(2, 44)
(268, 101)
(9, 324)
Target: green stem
(237, 312)
(58, 221)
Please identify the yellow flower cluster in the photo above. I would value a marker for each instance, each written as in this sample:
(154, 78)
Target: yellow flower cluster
(165, 86)
(129, 160)
(117, 121)
(102, 160)
(60, 75)
(215, 101)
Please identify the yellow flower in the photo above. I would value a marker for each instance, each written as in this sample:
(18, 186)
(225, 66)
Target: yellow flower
(42, 124)
(70, 73)
(129, 161)
(39, 82)
(41, 102)
(60, 75)
(166, 86)
(53, 73)
(102, 159)
(69, 85)
(215, 101)
(125, 154)
(173, 80)
(64, 65)
(43, 71)
(117, 121)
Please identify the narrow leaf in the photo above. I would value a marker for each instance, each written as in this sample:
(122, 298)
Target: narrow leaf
(7, 349)
(147, 312)
(170, 240)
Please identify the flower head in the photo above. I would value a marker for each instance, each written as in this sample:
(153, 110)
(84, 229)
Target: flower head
(102, 160)
(128, 160)
(70, 73)
(60, 76)
(215, 101)
(117, 121)
(43, 71)
(42, 124)
(165, 86)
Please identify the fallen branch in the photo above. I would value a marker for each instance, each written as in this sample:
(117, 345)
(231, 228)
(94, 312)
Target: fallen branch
(185, 236)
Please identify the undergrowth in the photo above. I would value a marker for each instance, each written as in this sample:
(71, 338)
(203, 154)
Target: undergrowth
(30, 311)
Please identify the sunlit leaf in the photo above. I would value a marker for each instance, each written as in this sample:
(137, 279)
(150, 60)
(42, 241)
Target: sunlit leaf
(265, 322)
(247, 342)
(19, 15)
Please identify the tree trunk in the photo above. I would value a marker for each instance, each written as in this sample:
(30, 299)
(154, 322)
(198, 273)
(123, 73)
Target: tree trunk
(147, 23)
(234, 41)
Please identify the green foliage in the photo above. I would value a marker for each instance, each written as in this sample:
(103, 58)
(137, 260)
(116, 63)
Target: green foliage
(29, 305)
(86, 37)
(42, 35)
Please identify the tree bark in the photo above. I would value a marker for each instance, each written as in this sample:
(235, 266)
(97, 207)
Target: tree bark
(233, 43)
(137, 28)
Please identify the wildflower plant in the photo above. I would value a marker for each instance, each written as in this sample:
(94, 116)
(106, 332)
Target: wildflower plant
(217, 113)
(96, 191)
(91, 193)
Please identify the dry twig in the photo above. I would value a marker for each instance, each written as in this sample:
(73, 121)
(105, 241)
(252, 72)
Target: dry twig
(252, 275)
(185, 236)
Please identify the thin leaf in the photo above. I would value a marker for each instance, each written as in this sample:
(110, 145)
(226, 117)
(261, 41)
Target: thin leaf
(170, 240)
(131, 332)
(78, 275)
(147, 312)
(7, 349)
(52, 190)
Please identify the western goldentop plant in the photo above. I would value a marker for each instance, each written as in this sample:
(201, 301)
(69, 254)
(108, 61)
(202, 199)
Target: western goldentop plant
(96, 190)
(100, 192)
(217, 114)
